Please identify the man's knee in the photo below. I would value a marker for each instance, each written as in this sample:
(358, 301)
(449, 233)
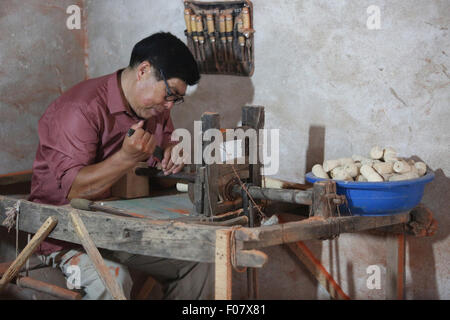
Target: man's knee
(89, 280)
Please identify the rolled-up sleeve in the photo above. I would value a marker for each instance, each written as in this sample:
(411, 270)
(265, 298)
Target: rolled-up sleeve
(70, 141)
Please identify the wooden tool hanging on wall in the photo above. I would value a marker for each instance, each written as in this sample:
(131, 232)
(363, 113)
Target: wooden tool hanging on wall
(220, 36)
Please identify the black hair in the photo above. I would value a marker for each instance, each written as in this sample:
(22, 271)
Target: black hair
(166, 53)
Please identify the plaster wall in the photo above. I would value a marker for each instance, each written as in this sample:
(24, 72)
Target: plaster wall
(39, 59)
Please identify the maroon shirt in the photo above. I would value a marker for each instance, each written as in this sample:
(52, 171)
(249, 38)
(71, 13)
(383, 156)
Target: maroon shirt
(84, 126)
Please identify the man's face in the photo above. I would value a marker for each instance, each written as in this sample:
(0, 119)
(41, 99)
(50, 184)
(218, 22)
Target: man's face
(149, 94)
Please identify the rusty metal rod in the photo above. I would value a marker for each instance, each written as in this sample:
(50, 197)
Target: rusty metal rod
(282, 195)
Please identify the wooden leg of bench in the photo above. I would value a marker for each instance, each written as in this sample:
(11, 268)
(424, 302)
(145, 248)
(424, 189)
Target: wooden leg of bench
(103, 271)
(395, 271)
(146, 289)
(317, 270)
(223, 281)
(15, 267)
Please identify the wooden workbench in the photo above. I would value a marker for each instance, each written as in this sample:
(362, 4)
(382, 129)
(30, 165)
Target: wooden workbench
(159, 233)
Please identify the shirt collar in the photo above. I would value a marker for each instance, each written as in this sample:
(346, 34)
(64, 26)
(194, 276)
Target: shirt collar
(115, 101)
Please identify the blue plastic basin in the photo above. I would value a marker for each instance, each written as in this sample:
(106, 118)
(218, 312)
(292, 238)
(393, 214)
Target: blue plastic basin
(379, 198)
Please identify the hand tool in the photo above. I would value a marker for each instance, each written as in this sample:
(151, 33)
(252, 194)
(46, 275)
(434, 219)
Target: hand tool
(29, 249)
(229, 32)
(212, 38)
(187, 20)
(153, 172)
(201, 40)
(241, 38)
(195, 37)
(247, 29)
(83, 204)
(223, 38)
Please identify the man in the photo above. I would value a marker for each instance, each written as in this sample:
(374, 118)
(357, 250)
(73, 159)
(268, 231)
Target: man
(86, 145)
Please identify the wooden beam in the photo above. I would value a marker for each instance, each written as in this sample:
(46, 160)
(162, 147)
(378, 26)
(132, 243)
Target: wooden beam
(321, 205)
(223, 283)
(40, 286)
(317, 270)
(177, 240)
(312, 228)
(102, 269)
(50, 289)
(29, 249)
(395, 271)
(15, 177)
(146, 289)
(158, 238)
(252, 284)
(210, 120)
(254, 117)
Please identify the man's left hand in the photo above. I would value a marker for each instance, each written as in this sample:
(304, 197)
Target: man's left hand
(171, 165)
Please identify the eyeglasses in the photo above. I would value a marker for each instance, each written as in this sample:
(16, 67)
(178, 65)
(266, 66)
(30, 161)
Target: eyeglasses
(171, 97)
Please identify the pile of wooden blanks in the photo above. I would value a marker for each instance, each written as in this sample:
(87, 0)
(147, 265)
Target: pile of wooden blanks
(382, 164)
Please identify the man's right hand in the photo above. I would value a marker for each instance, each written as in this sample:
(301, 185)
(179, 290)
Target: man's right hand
(93, 181)
(140, 146)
